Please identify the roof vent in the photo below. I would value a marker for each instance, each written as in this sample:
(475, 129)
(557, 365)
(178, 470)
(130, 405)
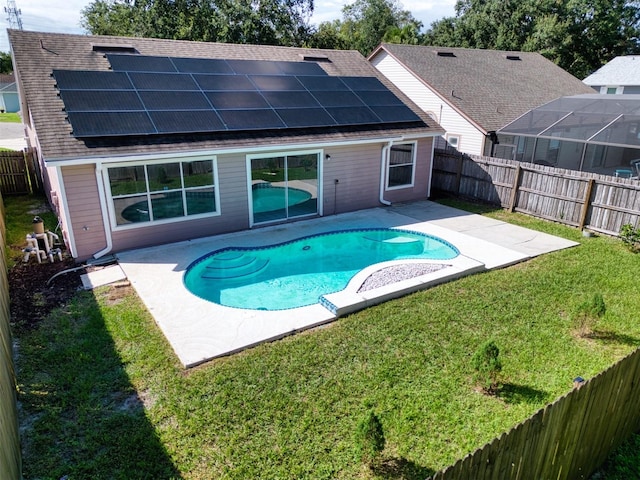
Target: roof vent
(315, 58)
(513, 57)
(103, 47)
(445, 54)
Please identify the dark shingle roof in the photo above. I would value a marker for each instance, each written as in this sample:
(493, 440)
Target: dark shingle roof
(37, 54)
(486, 86)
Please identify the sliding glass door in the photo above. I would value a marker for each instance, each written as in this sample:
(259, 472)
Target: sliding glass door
(283, 186)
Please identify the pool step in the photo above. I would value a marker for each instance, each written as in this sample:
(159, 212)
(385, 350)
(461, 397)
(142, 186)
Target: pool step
(234, 267)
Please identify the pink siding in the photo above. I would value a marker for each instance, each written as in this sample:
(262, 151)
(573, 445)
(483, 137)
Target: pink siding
(421, 180)
(357, 169)
(232, 180)
(83, 205)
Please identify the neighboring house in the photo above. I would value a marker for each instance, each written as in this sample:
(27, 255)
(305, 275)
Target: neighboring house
(473, 93)
(620, 76)
(8, 94)
(149, 141)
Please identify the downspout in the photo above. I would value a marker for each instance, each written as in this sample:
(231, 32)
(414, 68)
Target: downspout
(383, 170)
(105, 213)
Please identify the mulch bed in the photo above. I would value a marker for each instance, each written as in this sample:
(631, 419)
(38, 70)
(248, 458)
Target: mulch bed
(31, 298)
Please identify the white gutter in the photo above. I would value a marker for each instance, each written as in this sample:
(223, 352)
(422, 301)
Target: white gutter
(105, 213)
(245, 150)
(383, 170)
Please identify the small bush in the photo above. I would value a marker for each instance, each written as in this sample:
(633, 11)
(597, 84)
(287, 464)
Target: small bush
(630, 237)
(370, 438)
(588, 313)
(488, 366)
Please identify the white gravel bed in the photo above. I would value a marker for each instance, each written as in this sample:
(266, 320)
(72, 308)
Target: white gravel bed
(398, 273)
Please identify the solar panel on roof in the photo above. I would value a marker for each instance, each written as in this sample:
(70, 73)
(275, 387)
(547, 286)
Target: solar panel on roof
(101, 100)
(300, 68)
(372, 98)
(89, 80)
(212, 95)
(353, 115)
(163, 81)
(140, 63)
(395, 114)
(323, 83)
(338, 99)
(202, 65)
(254, 67)
(306, 117)
(364, 83)
(224, 82)
(276, 82)
(290, 99)
(159, 100)
(105, 124)
(236, 100)
(191, 121)
(251, 119)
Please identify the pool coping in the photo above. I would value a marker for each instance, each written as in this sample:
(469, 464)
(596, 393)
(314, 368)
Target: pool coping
(199, 331)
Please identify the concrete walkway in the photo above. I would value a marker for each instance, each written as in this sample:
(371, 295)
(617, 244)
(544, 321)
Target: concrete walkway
(199, 330)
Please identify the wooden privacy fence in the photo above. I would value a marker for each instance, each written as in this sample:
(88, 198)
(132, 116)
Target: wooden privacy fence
(569, 438)
(581, 199)
(10, 463)
(19, 173)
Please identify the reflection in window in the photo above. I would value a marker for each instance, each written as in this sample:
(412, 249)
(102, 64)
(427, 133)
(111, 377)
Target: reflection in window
(162, 191)
(401, 165)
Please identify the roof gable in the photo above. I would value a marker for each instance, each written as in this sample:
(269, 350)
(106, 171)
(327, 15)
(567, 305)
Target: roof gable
(621, 71)
(489, 87)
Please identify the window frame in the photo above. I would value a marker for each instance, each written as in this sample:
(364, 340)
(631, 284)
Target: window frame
(149, 194)
(414, 154)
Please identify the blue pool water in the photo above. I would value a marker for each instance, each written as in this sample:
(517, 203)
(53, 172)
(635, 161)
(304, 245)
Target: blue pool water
(298, 273)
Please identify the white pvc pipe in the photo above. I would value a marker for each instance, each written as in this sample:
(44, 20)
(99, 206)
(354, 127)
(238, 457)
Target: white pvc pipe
(383, 170)
(105, 213)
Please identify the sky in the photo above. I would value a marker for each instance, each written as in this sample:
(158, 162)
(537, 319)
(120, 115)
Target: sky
(64, 17)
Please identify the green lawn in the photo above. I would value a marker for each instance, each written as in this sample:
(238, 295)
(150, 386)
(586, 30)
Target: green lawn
(10, 117)
(103, 396)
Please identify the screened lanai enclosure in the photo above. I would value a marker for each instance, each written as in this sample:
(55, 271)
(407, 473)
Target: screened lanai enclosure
(592, 133)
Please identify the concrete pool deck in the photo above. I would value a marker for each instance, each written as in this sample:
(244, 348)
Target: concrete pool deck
(199, 330)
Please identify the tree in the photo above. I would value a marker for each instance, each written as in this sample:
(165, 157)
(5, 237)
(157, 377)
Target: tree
(366, 23)
(6, 63)
(272, 22)
(578, 35)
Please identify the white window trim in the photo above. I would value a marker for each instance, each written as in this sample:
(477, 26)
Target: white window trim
(604, 88)
(285, 153)
(157, 161)
(458, 137)
(414, 154)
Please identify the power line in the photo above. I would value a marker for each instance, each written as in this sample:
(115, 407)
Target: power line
(13, 15)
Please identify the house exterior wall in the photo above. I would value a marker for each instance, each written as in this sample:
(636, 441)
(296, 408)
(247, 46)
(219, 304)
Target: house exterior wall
(356, 167)
(83, 210)
(471, 138)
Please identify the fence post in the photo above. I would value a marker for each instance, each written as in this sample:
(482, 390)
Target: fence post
(459, 174)
(585, 205)
(514, 188)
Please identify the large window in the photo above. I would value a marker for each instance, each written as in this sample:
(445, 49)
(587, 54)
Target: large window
(402, 158)
(162, 191)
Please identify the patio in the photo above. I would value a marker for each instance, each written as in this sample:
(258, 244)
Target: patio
(199, 330)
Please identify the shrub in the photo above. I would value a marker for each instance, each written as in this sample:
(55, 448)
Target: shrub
(588, 313)
(370, 438)
(487, 364)
(630, 237)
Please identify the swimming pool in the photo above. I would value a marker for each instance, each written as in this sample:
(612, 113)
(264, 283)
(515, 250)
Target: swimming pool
(300, 272)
